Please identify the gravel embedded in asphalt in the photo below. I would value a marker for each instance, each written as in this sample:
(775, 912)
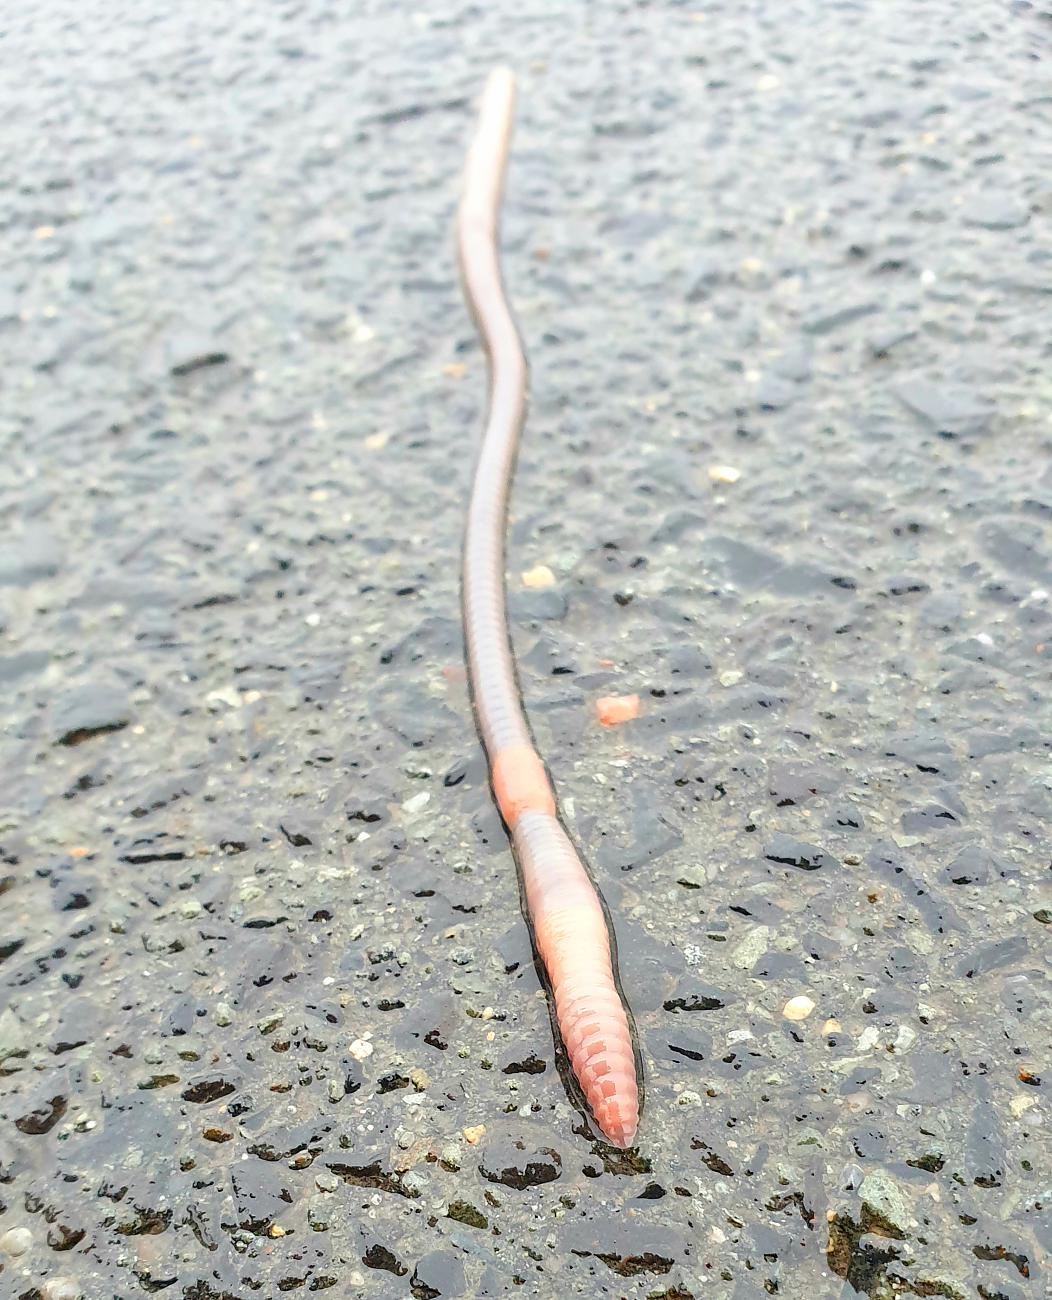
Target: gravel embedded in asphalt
(268, 1015)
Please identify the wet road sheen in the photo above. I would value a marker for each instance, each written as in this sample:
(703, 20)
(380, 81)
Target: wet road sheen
(269, 1020)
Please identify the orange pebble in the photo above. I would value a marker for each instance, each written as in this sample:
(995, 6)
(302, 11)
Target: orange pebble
(615, 709)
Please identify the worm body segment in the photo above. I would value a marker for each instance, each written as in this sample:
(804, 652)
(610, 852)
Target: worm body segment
(564, 909)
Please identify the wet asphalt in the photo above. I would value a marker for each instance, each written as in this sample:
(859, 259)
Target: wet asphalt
(269, 1019)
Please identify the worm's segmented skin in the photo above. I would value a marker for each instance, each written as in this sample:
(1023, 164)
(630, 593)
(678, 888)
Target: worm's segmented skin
(574, 944)
(567, 918)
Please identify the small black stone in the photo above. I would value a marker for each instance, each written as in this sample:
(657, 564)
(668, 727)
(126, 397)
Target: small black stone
(439, 1273)
(209, 1089)
(974, 865)
(200, 361)
(795, 853)
(84, 712)
(995, 212)
(944, 409)
(828, 321)
(44, 1118)
(541, 606)
(515, 1164)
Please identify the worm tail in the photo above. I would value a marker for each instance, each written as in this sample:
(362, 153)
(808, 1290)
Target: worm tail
(574, 944)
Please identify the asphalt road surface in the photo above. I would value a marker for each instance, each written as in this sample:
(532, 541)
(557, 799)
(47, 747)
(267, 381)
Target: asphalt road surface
(270, 1021)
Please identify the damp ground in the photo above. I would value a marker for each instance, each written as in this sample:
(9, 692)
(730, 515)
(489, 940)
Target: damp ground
(270, 1022)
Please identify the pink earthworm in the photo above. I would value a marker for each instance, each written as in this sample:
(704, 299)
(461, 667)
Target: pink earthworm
(563, 907)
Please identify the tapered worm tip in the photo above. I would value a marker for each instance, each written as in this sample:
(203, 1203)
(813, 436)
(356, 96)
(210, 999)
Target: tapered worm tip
(619, 1120)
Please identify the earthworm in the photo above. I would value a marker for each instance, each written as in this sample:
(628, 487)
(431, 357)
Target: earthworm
(564, 909)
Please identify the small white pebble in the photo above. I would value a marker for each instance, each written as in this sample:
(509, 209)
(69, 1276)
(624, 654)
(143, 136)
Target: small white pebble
(361, 1050)
(61, 1288)
(688, 1098)
(798, 1008)
(538, 578)
(16, 1241)
(228, 695)
(312, 620)
(768, 82)
(731, 677)
(223, 1015)
(418, 802)
(905, 1038)
(724, 474)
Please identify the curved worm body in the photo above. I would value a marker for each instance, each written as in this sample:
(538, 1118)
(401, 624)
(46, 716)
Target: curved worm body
(564, 910)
